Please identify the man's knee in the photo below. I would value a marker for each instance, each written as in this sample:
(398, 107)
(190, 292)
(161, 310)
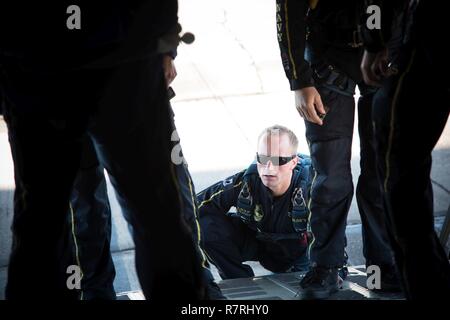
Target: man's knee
(213, 231)
(332, 180)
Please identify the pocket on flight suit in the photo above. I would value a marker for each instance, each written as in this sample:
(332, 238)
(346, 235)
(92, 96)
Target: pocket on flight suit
(338, 121)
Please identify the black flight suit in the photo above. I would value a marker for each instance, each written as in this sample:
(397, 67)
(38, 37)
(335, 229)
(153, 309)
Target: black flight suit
(89, 228)
(229, 241)
(409, 114)
(89, 233)
(320, 47)
(106, 80)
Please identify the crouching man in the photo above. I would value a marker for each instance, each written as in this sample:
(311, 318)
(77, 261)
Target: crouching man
(269, 224)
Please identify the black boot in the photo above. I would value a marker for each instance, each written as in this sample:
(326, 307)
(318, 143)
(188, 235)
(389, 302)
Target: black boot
(389, 281)
(319, 283)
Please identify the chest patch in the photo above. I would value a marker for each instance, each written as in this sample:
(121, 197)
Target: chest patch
(259, 214)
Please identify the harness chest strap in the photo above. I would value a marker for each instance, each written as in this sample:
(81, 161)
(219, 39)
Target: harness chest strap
(298, 213)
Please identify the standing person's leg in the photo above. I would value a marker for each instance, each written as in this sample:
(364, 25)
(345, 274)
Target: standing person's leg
(409, 116)
(45, 131)
(331, 192)
(90, 228)
(189, 200)
(132, 133)
(332, 187)
(46, 159)
(376, 247)
(190, 211)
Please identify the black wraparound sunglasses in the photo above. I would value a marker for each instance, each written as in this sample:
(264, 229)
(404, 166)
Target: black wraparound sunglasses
(276, 161)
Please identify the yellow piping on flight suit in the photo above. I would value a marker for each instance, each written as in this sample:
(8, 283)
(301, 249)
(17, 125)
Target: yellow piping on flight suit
(313, 4)
(215, 194)
(207, 201)
(294, 68)
(177, 186)
(77, 256)
(391, 126)
(198, 224)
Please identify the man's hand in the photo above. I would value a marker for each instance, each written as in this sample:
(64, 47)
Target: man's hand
(169, 69)
(309, 104)
(374, 67)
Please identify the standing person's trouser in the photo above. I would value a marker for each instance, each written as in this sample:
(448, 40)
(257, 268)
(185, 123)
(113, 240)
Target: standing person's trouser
(190, 210)
(332, 186)
(129, 122)
(410, 113)
(90, 221)
(376, 246)
(89, 234)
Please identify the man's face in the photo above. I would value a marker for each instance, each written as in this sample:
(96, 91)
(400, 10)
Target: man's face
(271, 174)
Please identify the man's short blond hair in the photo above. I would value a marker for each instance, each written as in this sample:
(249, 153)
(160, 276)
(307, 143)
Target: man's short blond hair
(281, 130)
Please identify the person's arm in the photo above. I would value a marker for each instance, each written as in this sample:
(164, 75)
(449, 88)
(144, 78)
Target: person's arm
(374, 65)
(291, 33)
(167, 46)
(170, 72)
(221, 196)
